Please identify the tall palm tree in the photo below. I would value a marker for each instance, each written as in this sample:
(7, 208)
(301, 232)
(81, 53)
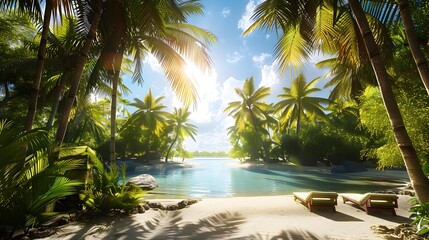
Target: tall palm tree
(298, 103)
(55, 8)
(283, 14)
(150, 114)
(164, 33)
(250, 109)
(418, 179)
(418, 56)
(96, 7)
(181, 127)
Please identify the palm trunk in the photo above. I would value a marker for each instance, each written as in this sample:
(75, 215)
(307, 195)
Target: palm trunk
(418, 179)
(32, 104)
(298, 121)
(410, 31)
(57, 98)
(266, 153)
(115, 81)
(62, 128)
(171, 146)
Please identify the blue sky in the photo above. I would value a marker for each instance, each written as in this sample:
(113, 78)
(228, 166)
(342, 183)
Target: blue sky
(235, 58)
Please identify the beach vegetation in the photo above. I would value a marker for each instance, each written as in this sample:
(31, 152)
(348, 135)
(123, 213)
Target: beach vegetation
(420, 216)
(107, 189)
(368, 44)
(31, 180)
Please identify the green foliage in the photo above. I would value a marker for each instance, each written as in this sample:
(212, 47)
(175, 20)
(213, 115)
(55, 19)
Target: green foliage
(108, 190)
(30, 183)
(420, 216)
(373, 117)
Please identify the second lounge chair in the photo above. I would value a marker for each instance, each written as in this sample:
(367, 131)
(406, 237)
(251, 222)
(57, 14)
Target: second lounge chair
(315, 199)
(373, 201)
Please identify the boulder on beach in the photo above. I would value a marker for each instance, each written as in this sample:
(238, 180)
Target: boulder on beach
(144, 181)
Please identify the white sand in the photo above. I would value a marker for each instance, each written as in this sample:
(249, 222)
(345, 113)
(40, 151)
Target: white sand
(267, 217)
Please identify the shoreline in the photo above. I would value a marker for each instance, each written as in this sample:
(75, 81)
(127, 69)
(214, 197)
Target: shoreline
(262, 217)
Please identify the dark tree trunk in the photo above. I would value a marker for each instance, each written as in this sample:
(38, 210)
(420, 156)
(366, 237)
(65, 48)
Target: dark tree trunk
(62, 128)
(418, 179)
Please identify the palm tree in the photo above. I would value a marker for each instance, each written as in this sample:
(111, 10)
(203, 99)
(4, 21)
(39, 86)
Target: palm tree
(418, 179)
(149, 114)
(164, 33)
(250, 109)
(52, 7)
(96, 7)
(418, 56)
(181, 127)
(297, 102)
(284, 15)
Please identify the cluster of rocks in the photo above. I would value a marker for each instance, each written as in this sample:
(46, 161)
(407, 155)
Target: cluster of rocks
(407, 190)
(143, 207)
(402, 231)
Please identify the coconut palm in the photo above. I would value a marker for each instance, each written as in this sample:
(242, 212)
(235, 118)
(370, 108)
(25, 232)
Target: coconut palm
(284, 15)
(164, 33)
(297, 102)
(181, 127)
(250, 109)
(93, 8)
(150, 114)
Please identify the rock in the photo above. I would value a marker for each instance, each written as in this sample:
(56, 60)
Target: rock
(192, 201)
(145, 206)
(172, 207)
(182, 204)
(140, 209)
(156, 205)
(144, 181)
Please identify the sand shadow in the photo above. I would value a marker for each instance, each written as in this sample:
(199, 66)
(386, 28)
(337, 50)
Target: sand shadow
(170, 225)
(297, 234)
(338, 216)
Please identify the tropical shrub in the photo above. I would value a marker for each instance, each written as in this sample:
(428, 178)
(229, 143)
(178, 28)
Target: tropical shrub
(30, 180)
(420, 216)
(107, 190)
(374, 118)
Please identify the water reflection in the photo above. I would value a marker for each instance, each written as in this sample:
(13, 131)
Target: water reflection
(212, 177)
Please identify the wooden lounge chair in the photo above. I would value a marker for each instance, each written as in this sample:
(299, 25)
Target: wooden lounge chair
(316, 199)
(373, 201)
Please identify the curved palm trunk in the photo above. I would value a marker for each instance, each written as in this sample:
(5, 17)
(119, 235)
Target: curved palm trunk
(57, 98)
(115, 81)
(62, 128)
(410, 31)
(32, 104)
(418, 179)
(171, 146)
(266, 153)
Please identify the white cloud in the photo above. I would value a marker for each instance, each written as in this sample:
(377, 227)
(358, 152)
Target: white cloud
(153, 63)
(260, 59)
(228, 91)
(267, 36)
(234, 57)
(245, 20)
(225, 12)
(269, 76)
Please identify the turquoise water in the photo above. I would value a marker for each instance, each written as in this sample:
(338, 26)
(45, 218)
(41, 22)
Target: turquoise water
(221, 177)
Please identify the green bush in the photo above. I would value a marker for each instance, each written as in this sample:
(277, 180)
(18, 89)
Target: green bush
(107, 190)
(30, 181)
(420, 216)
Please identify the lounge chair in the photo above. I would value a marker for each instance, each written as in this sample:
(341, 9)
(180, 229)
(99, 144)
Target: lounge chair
(316, 199)
(373, 201)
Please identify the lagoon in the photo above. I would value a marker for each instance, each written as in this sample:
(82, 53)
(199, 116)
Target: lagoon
(225, 177)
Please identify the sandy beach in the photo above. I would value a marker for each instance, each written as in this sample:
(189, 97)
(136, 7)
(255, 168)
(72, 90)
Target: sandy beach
(267, 217)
